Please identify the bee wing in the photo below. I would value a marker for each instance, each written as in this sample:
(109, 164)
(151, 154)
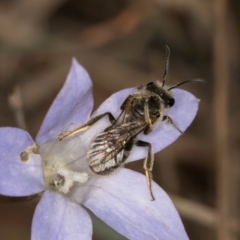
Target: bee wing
(110, 143)
(107, 145)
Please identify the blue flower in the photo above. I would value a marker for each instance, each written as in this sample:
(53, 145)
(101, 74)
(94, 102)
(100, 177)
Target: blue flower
(59, 171)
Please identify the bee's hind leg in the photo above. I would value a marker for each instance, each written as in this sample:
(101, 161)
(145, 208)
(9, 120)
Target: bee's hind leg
(148, 164)
(84, 127)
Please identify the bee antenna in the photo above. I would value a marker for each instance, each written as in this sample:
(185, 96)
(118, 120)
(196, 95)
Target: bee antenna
(167, 64)
(189, 81)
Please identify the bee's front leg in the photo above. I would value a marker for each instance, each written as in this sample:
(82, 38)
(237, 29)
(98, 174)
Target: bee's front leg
(148, 164)
(84, 127)
(169, 120)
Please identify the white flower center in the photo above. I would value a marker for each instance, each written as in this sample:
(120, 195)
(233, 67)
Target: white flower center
(66, 178)
(64, 164)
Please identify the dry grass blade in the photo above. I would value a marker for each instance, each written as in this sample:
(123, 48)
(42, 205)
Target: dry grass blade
(118, 27)
(221, 90)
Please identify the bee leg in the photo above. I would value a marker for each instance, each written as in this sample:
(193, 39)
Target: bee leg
(84, 127)
(169, 120)
(148, 164)
(149, 127)
(126, 102)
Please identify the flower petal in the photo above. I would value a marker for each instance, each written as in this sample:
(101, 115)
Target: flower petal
(163, 134)
(19, 176)
(123, 201)
(114, 102)
(72, 151)
(58, 218)
(72, 106)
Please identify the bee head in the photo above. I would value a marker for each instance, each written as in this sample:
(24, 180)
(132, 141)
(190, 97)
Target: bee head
(164, 92)
(165, 95)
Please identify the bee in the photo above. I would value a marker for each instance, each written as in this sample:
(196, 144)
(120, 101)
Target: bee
(139, 112)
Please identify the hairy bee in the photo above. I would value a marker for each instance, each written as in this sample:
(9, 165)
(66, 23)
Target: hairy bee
(140, 110)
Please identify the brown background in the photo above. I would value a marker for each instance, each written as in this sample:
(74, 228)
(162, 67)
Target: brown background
(121, 44)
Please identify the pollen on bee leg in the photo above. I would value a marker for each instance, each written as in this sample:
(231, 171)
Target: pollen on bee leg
(66, 178)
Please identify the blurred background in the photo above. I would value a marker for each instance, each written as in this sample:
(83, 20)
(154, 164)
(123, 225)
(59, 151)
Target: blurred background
(121, 44)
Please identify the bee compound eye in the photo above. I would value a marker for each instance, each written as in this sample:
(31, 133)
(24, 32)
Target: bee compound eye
(171, 102)
(150, 83)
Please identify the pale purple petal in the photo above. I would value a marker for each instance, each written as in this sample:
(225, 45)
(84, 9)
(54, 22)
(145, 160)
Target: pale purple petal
(57, 218)
(163, 134)
(114, 102)
(72, 106)
(123, 201)
(19, 176)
